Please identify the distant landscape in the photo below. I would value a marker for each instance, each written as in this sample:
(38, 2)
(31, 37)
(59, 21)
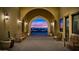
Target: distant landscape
(39, 26)
(39, 29)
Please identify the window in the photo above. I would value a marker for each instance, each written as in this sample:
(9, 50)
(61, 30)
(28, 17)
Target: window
(75, 23)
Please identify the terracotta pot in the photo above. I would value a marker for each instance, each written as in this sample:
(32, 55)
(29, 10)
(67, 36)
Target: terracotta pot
(4, 45)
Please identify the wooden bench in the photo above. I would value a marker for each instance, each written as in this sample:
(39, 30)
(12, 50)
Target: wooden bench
(74, 42)
(58, 36)
(19, 37)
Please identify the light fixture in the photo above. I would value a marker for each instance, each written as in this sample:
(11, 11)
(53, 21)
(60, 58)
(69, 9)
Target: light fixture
(18, 21)
(5, 16)
(52, 23)
(26, 23)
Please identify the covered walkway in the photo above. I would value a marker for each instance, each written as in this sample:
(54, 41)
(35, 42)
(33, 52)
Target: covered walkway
(41, 43)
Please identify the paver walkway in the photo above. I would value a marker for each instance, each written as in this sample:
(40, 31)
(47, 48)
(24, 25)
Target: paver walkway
(39, 43)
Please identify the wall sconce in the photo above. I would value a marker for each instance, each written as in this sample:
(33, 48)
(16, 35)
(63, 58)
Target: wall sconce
(52, 23)
(25, 23)
(18, 21)
(5, 16)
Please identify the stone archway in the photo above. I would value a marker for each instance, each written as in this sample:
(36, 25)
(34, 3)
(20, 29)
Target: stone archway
(38, 12)
(29, 26)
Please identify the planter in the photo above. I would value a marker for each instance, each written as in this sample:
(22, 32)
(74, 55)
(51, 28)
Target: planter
(4, 45)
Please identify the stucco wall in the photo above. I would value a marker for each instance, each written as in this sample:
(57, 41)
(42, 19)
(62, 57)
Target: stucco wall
(54, 11)
(3, 32)
(11, 24)
(68, 11)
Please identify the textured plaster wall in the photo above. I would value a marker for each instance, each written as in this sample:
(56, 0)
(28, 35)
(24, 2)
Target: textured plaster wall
(3, 32)
(53, 10)
(68, 11)
(11, 24)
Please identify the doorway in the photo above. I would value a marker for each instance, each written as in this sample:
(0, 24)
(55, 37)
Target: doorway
(39, 27)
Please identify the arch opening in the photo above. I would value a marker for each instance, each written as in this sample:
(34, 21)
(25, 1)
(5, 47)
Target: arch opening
(38, 13)
(39, 26)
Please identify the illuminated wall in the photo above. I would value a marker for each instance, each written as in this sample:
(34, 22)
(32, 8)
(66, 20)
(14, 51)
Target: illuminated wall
(10, 25)
(68, 11)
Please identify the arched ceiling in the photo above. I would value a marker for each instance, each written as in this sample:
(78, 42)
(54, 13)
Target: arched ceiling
(38, 12)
